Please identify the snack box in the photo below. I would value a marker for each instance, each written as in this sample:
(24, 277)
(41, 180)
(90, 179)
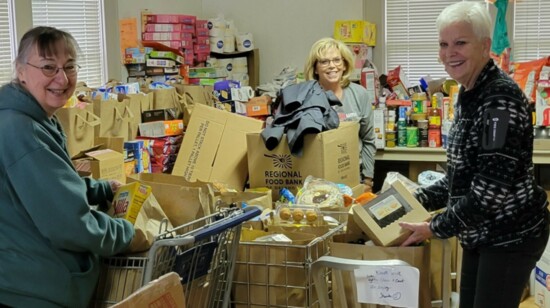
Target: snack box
(128, 200)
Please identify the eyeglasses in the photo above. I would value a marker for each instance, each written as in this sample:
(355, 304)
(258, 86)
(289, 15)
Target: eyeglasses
(326, 62)
(50, 70)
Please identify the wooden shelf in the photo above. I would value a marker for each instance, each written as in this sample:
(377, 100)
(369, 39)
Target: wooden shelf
(437, 155)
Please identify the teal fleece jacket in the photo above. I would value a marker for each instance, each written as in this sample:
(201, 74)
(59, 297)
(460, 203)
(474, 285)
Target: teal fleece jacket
(50, 239)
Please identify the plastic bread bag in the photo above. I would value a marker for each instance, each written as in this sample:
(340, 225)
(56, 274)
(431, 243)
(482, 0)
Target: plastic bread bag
(396, 176)
(320, 192)
(428, 177)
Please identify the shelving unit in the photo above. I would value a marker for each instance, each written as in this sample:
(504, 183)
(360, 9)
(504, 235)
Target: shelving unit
(252, 62)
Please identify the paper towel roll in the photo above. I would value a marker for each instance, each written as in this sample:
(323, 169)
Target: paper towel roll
(242, 78)
(240, 69)
(240, 61)
(245, 41)
(216, 32)
(217, 44)
(212, 62)
(227, 65)
(228, 43)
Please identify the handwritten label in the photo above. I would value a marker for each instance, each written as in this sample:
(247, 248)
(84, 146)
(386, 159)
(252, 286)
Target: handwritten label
(397, 286)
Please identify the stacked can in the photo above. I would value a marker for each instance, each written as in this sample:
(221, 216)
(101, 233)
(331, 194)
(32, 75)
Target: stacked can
(401, 132)
(422, 133)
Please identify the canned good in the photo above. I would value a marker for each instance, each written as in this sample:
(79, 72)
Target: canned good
(412, 136)
(401, 133)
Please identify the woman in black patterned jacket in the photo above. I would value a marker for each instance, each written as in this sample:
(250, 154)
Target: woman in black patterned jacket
(493, 204)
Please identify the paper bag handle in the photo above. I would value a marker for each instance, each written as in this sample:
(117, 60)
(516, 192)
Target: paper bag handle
(95, 122)
(129, 112)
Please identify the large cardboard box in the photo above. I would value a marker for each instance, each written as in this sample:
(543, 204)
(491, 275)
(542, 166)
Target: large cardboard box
(214, 147)
(379, 217)
(165, 291)
(332, 155)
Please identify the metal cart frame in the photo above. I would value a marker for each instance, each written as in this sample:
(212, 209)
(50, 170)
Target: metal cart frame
(202, 252)
(278, 275)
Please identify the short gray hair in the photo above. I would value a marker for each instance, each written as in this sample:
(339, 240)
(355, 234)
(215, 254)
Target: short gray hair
(473, 13)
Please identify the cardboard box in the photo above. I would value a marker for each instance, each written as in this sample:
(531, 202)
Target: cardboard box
(398, 82)
(355, 31)
(254, 109)
(379, 128)
(166, 291)
(103, 164)
(160, 63)
(379, 217)
(332, 155)
(161, 128)
(129, 199)
(214, 148)
(542, 280)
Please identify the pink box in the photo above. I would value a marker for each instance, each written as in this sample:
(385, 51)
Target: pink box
(201, 24)
(202, 40)
(171, 19)
(187, 19)
(202, 32)
(163, 27)
(187, 44)
(163, 19)
(171, 44)
(201, 48)
(201, 56)
(165, 36)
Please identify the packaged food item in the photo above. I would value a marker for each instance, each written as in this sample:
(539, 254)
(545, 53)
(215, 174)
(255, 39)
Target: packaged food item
(128, 200)
(298, 215)
(320, 192)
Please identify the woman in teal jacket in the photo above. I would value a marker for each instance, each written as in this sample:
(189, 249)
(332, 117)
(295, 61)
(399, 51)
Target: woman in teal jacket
(50, 239)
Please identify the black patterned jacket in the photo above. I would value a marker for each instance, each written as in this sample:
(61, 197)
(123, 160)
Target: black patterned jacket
(489, 191)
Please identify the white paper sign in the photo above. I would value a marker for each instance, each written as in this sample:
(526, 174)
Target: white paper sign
(388, 285)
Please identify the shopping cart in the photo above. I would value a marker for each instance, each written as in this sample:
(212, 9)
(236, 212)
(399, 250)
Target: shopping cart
(202, 252)
(277, 274)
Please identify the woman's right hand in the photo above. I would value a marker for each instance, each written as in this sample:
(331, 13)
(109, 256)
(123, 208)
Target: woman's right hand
(420, 232)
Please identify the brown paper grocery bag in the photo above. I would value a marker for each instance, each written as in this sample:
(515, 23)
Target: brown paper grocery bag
(79, 126)
(114, 116)
(165, 99)
(148, 225)
(136, 104)
(190, 95)
(182, 201)
(418, 257)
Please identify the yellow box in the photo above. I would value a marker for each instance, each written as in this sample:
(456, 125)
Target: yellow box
(355, 31)
(129, 199)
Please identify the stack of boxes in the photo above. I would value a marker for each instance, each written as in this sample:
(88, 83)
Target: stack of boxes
(360, 37)
(184, 33)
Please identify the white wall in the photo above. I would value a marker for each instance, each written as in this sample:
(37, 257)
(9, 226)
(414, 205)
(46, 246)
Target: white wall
(283, 30)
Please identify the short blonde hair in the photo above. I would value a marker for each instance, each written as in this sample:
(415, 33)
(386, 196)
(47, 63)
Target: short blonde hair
(318, 50)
